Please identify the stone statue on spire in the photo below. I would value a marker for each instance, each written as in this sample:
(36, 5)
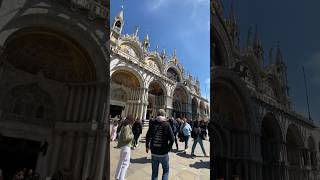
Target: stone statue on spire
(136, 31)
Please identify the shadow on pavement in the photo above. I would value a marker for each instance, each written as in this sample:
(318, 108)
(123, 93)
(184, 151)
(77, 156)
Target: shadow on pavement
(184, 154)
(201, 164)
(142, 160)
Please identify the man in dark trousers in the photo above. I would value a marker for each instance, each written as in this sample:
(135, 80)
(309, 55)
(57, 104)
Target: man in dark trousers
(161, 138)
(175, 129)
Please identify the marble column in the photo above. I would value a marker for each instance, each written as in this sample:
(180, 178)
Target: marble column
(76, 114)
(70, 102)
(84, 103)
(68, 149)
(101, 155)
(91, 99)
(79, 155)
(88, 156)
(55, 152)
(96, 104)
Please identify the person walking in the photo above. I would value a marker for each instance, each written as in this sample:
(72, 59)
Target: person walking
(137, 130)
(114, 130)
(197, 136)
(159, 139)
(186, 132)
(124, 143)
(175, 129)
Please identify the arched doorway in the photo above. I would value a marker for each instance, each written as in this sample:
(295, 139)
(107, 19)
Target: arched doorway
(125, 86)
(295, 153)
(180, 103)
(271, 142)
(50, 75)
(229, 114)
(156, 98)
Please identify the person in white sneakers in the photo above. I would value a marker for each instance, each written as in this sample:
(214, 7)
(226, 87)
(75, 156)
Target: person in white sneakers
(125, 144)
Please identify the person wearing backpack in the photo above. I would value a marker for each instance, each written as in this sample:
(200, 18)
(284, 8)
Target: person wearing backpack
(124, 143)
(197, 136)
(159, 139)
(175, 129)
(186, 132)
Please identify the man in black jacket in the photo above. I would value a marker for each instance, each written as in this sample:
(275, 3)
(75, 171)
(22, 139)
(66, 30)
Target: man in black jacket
(161, 138)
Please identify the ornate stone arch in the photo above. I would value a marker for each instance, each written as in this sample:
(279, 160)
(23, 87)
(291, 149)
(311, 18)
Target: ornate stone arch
(157, 61)
(176, 70)
(132, 47)
(163, 87)
(222, 79)
(221, 42)
(67, 30)
(130, 70)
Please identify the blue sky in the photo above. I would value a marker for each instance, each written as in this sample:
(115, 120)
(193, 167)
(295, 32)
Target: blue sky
(180, 24)
(295, 24)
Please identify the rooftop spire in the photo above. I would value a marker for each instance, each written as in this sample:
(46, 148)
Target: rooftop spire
(249, 37)
(146, 41)
(136, 31)
(120, 15)
(271, 56)
(279, 59)
(256, 41)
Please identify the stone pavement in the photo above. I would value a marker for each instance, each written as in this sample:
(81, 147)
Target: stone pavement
(182, 165)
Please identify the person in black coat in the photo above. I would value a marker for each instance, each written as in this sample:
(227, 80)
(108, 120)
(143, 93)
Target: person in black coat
(198, 136)
(136, 130)
(175, 129)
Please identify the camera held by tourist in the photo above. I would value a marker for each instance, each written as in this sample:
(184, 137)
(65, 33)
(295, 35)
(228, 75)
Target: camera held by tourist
(160, 139)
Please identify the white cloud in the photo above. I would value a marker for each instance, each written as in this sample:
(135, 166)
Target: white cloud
(155, 5)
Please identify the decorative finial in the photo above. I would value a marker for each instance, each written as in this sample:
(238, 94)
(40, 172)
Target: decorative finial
(249, 37)
(175, 52)
(163, 54)
(146, 41)
(136, 31)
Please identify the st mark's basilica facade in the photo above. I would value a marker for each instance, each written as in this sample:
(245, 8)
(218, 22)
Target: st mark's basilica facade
(255, 132)
(144, 81)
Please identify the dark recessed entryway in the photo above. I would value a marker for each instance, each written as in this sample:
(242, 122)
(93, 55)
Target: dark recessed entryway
(16, 154)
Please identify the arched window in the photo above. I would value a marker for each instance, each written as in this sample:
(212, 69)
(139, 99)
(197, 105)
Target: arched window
(118, 25)
(173, 75)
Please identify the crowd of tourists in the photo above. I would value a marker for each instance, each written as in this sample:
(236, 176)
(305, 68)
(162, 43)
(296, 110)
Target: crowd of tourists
(24, 174)
(163, 132)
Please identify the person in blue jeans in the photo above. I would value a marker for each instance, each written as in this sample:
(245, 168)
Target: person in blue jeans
(159, 139)
(186, 130)
(197, 136)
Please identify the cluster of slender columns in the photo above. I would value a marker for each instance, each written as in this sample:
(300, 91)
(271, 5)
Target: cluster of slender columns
(81, 152)
(137, 103)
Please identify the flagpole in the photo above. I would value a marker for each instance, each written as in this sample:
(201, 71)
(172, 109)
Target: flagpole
(305, 85)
